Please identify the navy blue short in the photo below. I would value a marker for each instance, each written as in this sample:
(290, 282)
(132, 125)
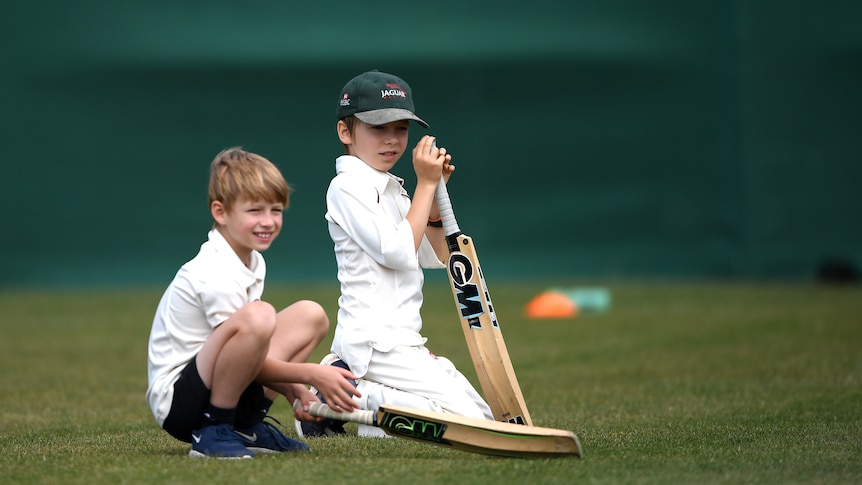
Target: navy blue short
(191, 398)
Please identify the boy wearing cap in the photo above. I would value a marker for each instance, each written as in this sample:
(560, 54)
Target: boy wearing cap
(218, 356)
(383, 241)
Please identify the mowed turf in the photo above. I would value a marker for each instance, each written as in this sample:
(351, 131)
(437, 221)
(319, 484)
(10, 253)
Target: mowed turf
(676, 383)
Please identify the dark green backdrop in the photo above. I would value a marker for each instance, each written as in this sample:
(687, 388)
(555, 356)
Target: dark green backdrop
(602, 138)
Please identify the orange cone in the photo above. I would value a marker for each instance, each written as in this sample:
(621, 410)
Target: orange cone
(551, 304)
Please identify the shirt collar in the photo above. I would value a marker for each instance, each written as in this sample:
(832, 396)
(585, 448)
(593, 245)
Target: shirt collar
(355, 166)
(255, 273)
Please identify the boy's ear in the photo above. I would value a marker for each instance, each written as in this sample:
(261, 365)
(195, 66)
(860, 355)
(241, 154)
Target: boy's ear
(344, 133)
(218, 212)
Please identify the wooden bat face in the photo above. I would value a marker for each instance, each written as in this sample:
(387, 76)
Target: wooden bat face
(482, 333)
(479, 321)
(459, 432)
(468, 286)
(475, 435)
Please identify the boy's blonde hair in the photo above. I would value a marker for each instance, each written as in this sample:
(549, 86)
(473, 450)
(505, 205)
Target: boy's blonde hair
(236, 174)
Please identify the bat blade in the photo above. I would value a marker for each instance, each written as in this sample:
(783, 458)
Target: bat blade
(461, 433)
(479, 321)
(482, 332)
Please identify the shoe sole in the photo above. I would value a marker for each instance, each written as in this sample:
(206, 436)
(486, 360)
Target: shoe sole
(268, 451)
(198, 454)
(329, 359)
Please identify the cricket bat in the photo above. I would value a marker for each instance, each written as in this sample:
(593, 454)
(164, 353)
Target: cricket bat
(479, 322)
(458, 432)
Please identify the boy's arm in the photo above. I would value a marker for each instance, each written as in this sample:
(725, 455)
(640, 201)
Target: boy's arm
(429, 162)
(436, 236)
(330, 381)
(420, 210)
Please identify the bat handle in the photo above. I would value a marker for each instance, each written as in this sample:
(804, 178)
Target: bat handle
(450, 225)
(321, 410)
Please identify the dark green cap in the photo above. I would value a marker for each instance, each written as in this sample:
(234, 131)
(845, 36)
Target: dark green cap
(377, 98)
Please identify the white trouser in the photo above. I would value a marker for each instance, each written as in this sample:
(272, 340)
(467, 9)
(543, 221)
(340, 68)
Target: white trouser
(416, 378)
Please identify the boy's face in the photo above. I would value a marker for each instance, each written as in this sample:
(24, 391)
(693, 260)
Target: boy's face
(249, 225)
(379, 146)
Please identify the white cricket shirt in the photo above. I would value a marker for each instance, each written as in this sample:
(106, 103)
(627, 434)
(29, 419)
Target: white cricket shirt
(379, 269)
(205, 292)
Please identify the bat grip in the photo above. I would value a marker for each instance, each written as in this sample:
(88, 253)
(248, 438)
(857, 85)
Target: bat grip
(450, 225)
(321, 410)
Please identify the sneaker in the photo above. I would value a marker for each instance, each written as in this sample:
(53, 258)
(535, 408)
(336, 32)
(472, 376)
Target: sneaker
(315, 429)
(218, 441)
(265, 437)
(326, 427)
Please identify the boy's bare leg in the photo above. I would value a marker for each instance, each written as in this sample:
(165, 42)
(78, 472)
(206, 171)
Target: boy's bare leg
(299, 330)
(230, 360)
(233, 355)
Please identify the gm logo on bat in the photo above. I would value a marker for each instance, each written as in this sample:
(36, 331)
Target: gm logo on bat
(414, 427)
(470, 304)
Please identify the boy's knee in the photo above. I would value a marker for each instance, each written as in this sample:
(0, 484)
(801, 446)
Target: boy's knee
(314, 313)
(259, 319)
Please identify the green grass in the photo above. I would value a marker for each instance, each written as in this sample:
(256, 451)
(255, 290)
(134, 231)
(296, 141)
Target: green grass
(686, 383)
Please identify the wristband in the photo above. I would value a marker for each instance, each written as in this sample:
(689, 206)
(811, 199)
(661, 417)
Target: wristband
(436, 222)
